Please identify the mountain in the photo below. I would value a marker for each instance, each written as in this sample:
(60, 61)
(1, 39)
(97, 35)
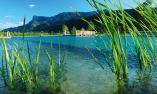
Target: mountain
(42, 23)
(55, 23)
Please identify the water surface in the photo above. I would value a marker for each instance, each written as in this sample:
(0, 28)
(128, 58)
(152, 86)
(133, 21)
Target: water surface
(83, 75)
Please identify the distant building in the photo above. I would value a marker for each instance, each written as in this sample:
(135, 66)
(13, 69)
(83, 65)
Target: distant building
(85, 33)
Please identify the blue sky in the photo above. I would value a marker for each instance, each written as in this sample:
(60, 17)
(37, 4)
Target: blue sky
(13, 11)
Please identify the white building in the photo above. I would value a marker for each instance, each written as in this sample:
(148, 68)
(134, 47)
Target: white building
(85, 33)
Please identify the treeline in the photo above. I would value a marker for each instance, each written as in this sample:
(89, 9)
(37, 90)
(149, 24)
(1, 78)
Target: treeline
(72, 31)
(27, 33)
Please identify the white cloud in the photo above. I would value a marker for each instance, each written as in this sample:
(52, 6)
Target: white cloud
(8, 16)
(31, 5)
(4, 25)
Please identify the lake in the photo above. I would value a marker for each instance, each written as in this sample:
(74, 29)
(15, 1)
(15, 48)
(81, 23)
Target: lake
(83, 75)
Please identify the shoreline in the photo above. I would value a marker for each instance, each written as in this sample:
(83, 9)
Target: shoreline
(5, 37)
(37, 36)
(62, 35)
(54, 36)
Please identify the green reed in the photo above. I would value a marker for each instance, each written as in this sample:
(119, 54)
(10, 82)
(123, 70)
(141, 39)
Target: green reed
(2, 72)
(110, 25)
(117, 43)
(23, 71)
(51, 70)
(144, 48)
(55, 71)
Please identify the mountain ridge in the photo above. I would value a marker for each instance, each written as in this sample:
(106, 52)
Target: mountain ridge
(55, 23)
(45, 22)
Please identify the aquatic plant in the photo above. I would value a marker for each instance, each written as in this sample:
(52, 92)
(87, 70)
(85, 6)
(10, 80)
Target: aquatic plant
(110, 26)
(117, 24)
(23, 72)
(55, 71)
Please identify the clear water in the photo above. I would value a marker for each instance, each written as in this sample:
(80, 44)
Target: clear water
(83, 75)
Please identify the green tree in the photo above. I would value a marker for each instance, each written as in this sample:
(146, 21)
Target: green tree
(73, 31)
(82, 29)
(65, 29)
